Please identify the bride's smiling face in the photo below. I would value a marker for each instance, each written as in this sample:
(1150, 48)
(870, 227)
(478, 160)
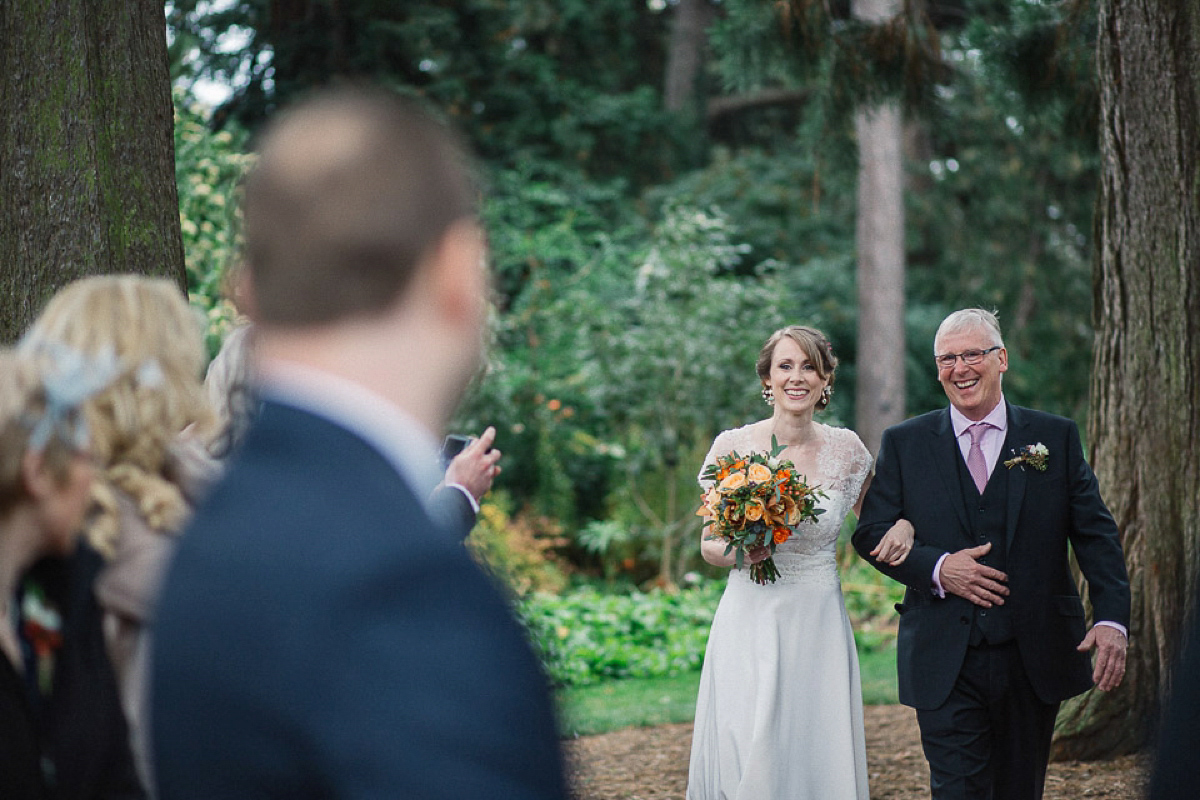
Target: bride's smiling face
(794, 380)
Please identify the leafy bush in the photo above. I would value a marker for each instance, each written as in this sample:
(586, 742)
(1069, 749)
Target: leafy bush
(518, 549)
(208, 171)
(586, 635)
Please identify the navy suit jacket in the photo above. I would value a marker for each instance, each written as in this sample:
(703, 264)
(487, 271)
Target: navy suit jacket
(917, 478)
(319, 636)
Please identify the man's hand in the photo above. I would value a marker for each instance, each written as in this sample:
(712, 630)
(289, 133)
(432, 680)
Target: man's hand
(963, 575)
(1110, 646)
(475, 467)
(895, 545)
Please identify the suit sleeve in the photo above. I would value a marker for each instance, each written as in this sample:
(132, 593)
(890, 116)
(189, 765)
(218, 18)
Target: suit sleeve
(882, 507)
(1095, 539)
(454, 511)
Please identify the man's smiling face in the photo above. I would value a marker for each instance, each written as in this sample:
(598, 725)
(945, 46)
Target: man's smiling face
(972, 389)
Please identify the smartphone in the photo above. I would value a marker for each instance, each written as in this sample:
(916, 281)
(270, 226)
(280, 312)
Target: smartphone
(452, 445)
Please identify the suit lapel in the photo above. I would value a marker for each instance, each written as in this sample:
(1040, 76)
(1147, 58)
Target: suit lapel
(1015, 440)
(943, 449)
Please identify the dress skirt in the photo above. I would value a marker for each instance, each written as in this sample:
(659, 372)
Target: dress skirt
(779, 713)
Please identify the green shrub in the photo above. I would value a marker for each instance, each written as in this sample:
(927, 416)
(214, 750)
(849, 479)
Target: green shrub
(587, 635)
(517, 548)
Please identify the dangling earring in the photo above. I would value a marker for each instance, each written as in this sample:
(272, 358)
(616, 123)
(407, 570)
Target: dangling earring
(826, 394)
(768, 396)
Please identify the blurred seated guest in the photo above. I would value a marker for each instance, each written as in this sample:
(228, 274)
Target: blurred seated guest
(62, 732)
(230, 390)
(149, 476)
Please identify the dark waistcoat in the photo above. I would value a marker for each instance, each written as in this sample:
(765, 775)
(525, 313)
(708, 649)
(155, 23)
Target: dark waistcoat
(988, 516)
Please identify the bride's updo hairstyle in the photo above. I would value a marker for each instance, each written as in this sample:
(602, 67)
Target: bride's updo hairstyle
(813, 344)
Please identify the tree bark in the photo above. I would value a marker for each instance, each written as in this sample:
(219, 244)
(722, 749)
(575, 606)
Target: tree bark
(880, 244)
(87, 159)
(1145, 395)
(685, 56)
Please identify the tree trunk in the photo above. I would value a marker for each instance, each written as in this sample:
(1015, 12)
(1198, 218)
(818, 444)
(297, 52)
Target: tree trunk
(685, 56)
(880, 244)
(87, 159)
(1145, 396)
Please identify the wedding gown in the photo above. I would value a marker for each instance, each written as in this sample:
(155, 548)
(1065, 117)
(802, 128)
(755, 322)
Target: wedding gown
(779, 713)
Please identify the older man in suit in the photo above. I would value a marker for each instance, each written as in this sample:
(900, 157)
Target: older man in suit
(320, 634)
(992, 630)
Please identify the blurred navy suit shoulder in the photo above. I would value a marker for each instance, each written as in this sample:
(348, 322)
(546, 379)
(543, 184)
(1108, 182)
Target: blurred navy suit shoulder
(320, 636)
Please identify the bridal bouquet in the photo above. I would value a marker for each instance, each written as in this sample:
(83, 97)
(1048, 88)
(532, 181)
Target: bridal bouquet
(756, 500)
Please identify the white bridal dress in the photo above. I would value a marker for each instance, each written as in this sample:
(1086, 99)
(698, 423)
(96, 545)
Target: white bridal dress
(779, 713)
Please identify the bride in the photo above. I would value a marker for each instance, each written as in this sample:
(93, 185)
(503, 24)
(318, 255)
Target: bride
(779, 712)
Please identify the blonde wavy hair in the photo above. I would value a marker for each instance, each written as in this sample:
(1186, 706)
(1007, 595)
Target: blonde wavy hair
(156, 337)
(22, 405)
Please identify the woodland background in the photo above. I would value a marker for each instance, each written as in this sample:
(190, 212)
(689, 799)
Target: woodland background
(666, 183)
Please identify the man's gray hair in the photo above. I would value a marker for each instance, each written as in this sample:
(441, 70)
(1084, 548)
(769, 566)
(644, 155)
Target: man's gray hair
(970, 319)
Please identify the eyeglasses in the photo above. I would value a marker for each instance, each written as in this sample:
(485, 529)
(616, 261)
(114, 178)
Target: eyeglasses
(969, 357)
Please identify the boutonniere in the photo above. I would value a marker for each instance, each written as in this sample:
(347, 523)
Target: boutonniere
(42, 628)
(1035, 455)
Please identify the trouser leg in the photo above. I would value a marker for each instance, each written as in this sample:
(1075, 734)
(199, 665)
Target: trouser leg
(990, 740)
(1023, 727)
(957, 736)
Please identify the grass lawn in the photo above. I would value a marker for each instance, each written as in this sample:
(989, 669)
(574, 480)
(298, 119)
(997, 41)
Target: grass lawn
(633, 702)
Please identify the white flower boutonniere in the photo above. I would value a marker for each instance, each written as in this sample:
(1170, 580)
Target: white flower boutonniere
(1035, 455)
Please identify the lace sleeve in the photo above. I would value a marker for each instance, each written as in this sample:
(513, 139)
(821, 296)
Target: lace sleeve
(851, 462)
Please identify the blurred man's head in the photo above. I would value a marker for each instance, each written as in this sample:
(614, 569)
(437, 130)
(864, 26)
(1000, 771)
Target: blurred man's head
(364, 254)
(353, 190)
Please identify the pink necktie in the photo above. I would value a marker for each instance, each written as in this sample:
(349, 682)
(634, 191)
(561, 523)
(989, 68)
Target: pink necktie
(976, 463)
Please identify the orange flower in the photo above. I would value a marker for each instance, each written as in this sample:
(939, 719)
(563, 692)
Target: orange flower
(711, 498)
(554, 405)
(758, 473)
(754, 511)
(734, 480)
(782, 535)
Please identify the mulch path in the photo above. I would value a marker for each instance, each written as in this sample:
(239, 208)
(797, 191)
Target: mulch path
(644, 763)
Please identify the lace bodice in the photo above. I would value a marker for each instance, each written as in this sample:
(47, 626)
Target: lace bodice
(842, 466)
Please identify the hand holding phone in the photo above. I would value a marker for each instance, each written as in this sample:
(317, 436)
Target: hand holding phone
(474, 467)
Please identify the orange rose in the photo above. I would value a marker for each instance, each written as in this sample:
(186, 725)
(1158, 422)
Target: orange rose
(754, 511)
(733, 481)
(758, 473)
(782, 535)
